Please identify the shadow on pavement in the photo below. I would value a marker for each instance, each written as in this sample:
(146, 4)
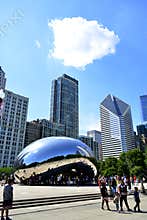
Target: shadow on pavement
(48, 209)
(125, 212)
(129, 212)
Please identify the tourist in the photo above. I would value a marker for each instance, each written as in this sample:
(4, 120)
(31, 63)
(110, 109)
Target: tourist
(7, 199)
(113, 185)
(137, 199)
(116, 200)
(104, 194)
(122, 190)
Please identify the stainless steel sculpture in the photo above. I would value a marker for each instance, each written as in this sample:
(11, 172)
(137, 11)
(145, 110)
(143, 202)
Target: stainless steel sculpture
(55, 156)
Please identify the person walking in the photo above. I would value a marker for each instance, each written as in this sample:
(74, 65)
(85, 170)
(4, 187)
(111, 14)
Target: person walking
(137, 199)
(116, 200)
(104, 194)
(7, 199)
(113, 185)
(122, 189)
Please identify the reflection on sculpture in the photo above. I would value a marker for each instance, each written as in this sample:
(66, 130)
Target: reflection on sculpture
(56, 160)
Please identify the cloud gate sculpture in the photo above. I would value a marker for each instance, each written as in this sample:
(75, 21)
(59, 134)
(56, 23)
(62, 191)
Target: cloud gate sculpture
(55, 161)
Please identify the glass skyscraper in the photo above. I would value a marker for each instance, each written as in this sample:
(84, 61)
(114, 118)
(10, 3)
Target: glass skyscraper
(64, 107)
(116, 127)
(143, 100)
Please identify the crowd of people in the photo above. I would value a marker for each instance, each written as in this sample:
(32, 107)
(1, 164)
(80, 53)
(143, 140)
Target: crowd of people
(117, 189)
(57, 179)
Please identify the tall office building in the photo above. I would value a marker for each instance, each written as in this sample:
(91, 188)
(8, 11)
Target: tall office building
(12, 124)
(143, 101)
(64, 104)
(33, 132)
(96, 135)
(142, 135)
(2, 79)
(51, 129)
(41, 128)
(92, 144)
(116, 127)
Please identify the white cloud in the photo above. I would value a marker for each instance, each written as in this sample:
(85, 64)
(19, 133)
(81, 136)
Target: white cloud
(79, 42)
(37, 43)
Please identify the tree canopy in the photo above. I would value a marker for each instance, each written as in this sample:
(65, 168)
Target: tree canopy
(133, 162)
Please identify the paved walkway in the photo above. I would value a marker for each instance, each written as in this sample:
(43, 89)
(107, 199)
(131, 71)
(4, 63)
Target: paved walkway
(80, 211)
(85, 210)
(26, 192)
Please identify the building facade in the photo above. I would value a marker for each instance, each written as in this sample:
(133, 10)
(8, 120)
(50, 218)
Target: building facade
(92, 144)
(116, 127)
(33, 132)
(143, 101)
(96, 135)
(64, 107)
(12, 125)
(42, 128)
(51, 129)
(142, 135)
(2, 79)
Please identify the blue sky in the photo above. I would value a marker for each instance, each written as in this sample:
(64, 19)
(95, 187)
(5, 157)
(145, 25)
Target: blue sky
(33, 33)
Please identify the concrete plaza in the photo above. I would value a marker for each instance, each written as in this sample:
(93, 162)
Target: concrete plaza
(74, 211)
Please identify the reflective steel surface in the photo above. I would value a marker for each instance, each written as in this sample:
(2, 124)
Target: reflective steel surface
(55, 156)
(50, 147)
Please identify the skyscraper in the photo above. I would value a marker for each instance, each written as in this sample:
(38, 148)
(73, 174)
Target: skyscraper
(116, 127)
(96, 135)
(142, 135)
(12, 124)
(64, 107)
(92, 144)
(143, 101)
(38, 129)
(2, 79)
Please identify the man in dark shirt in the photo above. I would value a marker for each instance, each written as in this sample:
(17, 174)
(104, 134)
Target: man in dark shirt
(104, 194)
(7, 199)
(123, 195)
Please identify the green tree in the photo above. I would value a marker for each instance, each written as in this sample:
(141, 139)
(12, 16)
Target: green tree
(123, 168)
(145, 157)
(137, 171)
(145, 161)
(7, 171)
(109, 167)
(135, 157)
